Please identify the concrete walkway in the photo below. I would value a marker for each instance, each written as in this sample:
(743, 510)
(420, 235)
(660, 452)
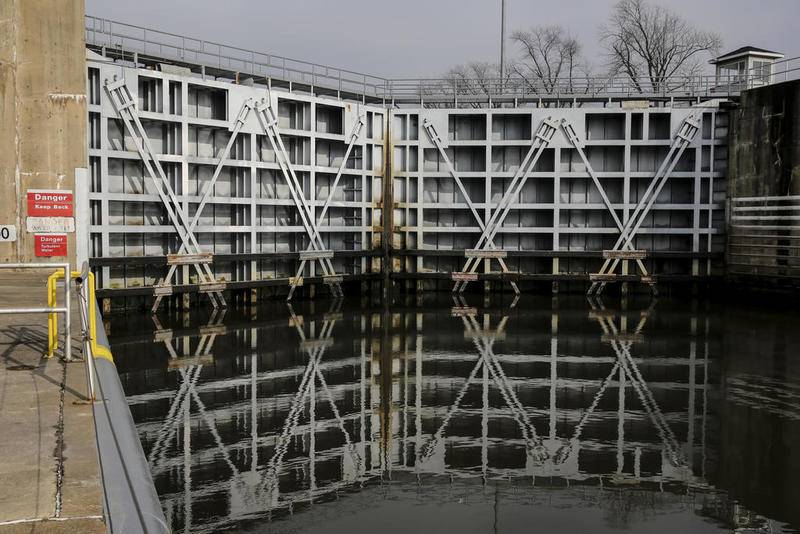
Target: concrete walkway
(49, 472)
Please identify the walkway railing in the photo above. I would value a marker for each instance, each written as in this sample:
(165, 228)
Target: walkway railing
(52, 309)
(124, 40)
(120, 36)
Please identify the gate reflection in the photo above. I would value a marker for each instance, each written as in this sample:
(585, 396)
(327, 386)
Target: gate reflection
(258, 416)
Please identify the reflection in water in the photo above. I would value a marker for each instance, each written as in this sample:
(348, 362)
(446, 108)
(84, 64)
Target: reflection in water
(564, 414)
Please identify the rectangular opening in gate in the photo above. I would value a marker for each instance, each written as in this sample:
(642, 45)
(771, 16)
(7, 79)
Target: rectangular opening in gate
(605, 126)
(94, 130)
(208, 102)
(329, 153)
(93, 86)
(445, 191)
(721, 126)
(606, 158)
(175, 98)
(637, 126)
(516, 127)
(467, 127)
(207, 142)
(510, 158)
(647, 158)
(294, 114)
(329, 119)
(463, 158)
(659, 126)
(150, 94)
(707, 125)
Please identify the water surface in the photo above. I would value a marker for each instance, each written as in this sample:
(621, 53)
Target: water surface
(553, 415)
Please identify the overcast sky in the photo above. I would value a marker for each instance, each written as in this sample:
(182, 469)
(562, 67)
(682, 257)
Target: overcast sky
(397, 38)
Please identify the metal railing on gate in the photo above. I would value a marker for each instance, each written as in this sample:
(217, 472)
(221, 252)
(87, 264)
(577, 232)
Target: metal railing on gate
(127, 41)
(51, 309)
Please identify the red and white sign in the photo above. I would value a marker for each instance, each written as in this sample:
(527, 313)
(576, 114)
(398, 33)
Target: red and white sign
(50, 245)
(49, 203)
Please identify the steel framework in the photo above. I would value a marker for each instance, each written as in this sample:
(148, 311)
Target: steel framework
(256, 185)
(244, 185)
(552, 210)
(684, 137)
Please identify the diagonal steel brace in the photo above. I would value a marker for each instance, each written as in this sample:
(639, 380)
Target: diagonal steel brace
(122, 100)
(269, 123)
(354, 136)
(683, 138)
(434, 136)
(541, 140)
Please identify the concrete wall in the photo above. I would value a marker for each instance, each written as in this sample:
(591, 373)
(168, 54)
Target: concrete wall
(765, 142)
(42, 109)
(763, 234)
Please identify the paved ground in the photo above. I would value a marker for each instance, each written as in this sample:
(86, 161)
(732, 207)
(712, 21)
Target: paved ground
(49, 474)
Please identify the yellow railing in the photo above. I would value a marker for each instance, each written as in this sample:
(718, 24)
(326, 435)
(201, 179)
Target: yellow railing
(98, 351)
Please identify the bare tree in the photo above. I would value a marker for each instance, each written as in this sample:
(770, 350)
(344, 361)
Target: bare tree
(550, 58)
(476, 78)
(651, 44)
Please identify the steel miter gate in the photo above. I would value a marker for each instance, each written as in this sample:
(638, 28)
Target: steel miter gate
(622, 251)
(190, 252)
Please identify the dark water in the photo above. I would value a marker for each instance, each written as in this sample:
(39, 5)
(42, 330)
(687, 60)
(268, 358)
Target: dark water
(546, 415)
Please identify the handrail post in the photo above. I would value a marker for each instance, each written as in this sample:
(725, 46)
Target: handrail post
(85, 290)
(67, 319)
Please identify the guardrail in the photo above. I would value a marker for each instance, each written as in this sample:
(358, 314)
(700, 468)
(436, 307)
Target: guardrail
(130, 500)
(52, 310)
(100, 32)
(122, 38)
(709, 86)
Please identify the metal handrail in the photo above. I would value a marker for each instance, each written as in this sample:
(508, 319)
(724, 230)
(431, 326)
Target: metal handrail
(118, 35)
(129, 38)
(51, 308)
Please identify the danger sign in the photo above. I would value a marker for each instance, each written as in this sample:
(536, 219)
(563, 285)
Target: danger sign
(49, 203)
(50, 245)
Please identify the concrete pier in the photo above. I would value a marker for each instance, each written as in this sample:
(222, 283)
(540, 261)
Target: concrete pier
(48, 456)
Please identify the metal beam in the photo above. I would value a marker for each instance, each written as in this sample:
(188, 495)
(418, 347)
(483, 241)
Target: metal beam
(238, 122)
